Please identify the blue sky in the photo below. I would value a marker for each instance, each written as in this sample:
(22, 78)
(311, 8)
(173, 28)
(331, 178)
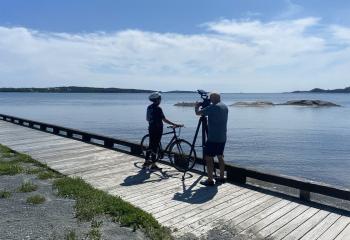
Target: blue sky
(231, 46)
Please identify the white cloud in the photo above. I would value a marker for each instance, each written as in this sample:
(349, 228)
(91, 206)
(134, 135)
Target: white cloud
(230, 56)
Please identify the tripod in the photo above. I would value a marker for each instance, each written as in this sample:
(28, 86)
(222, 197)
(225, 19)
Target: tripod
(202, 123)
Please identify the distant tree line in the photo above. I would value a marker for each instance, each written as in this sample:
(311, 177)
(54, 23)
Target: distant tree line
(319, 90)
(75, 90)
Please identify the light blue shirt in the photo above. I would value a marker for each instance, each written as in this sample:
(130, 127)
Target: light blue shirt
(217, 122)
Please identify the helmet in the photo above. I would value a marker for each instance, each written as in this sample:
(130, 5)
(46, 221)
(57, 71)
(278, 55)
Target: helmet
(154, 96)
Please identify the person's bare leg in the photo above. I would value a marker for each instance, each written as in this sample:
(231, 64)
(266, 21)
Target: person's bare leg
(210, 167)
(221, 166)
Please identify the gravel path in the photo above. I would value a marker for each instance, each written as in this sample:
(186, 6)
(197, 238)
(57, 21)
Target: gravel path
(53, 219)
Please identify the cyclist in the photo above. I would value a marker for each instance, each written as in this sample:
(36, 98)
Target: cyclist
(155, 118)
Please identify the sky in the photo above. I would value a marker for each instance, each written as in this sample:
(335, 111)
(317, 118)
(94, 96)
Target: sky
(217, 45)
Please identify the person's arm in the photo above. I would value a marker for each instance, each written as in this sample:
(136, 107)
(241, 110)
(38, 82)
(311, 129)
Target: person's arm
(202, 112)
(171, 123)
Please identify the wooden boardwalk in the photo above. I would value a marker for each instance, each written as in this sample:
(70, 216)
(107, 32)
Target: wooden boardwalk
(184, 207)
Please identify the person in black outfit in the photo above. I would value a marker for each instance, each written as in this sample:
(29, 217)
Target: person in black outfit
(155, 118)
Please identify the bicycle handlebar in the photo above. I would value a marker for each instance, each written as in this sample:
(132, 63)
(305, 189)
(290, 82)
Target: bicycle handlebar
(173, 127)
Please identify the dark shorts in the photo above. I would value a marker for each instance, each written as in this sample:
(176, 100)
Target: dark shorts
(213, 149)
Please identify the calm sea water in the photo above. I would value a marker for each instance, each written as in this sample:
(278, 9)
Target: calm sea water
(313, 143)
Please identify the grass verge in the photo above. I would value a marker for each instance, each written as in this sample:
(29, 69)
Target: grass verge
(9, 168)
(36, 199)
(92, 202)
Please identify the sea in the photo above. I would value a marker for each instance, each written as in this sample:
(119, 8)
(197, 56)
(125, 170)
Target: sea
(307, 142)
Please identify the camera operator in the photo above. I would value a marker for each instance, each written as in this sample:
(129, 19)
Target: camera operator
(217, 113)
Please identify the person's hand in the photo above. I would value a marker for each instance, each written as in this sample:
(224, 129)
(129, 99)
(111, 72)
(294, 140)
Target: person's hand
(198, 104)
(178, 125)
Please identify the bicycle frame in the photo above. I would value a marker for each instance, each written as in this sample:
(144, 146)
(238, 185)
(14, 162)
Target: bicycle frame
(173, 139)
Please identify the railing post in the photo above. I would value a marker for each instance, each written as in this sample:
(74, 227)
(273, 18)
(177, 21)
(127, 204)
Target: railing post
(20, 122)
(69, 134)
(108, 143)
(86, 138)
(236, 175)
(42, 127)
(136, 150)
(55, 130)
(304, 195)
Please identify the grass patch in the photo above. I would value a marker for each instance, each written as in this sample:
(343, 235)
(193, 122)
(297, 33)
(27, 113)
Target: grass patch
(27, 187)
(47, 175)
(94, 233)
(10, 168)
(6, 152)
(34, 170)
(71, 235)
(36, 199)
(5, 194)
(92, 202)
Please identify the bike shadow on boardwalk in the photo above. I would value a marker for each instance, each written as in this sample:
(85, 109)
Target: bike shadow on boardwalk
(195, 195)
(146, 176)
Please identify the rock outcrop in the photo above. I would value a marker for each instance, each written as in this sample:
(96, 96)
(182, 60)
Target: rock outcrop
(253, 104)
(310, 103)
(185, 104)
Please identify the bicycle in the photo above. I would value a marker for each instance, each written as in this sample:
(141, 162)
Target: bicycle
(180, 152)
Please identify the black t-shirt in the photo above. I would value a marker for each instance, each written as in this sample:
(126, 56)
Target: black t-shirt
(155, 116)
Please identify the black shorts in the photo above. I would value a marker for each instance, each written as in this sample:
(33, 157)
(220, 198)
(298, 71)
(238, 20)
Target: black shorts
(213, 149)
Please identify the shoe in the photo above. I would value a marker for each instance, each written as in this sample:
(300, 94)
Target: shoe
(155, 168)
(146, 165)
(207, 183)
(219, 180)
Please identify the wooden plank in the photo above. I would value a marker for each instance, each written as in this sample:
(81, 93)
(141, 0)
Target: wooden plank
(345, 234)
(209, 223)
(321, 227)
(265, 213)
(203, 218)
(293, 224)
(282, 221)
(223, 195)
(334, 230)
(270, 219)
(253, 211)
(182, 206)
(32, 146)
(307, 226)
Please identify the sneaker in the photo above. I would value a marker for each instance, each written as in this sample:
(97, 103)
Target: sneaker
(219, 180)
(207, 183)
(155, 168)
(146, 165)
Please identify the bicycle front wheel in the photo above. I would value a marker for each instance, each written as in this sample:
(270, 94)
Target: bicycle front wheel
(145, 144)
(182, 156)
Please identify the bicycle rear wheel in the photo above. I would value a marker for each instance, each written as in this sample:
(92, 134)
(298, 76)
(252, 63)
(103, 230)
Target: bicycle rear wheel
(145, 144)
(182, 156)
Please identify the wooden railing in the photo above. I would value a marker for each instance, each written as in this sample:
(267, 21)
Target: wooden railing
(234, 174)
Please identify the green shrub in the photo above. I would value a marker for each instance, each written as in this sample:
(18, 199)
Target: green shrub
(5, 194)
(27, 187)
(36, 199)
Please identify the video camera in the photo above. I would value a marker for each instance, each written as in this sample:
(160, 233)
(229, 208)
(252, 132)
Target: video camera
(205, 97)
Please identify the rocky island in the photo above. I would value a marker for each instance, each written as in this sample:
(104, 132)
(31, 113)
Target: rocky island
(303, 103)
